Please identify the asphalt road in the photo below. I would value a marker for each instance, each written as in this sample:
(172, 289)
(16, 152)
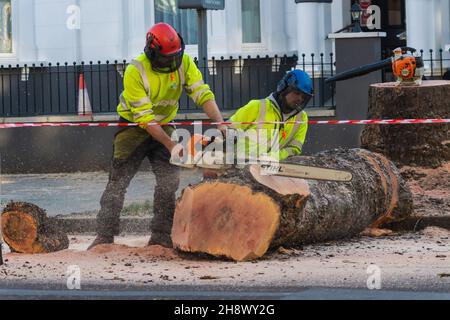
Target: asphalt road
(36, 292)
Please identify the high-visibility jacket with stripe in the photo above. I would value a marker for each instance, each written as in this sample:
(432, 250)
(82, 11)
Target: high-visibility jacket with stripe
(151, 96)
(291, 136)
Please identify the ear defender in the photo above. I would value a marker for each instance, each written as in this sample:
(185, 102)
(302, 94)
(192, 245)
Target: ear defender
(286, 82)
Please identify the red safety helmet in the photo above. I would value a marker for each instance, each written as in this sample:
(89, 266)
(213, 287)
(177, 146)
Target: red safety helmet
(164, 48)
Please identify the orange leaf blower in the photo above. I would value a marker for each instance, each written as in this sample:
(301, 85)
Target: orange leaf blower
(407, 66)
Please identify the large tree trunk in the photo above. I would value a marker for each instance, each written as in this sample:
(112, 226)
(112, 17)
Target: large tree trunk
(417, 145)
(27, 229)
(242, 214)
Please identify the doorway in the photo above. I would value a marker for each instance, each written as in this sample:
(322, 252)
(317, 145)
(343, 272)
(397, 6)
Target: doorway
(393, 22)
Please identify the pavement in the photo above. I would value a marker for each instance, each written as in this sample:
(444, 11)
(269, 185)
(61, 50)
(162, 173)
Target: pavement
(79, 193)
(404, 266)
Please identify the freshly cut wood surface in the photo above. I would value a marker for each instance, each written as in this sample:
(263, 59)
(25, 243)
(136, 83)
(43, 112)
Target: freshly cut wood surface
(27, 229)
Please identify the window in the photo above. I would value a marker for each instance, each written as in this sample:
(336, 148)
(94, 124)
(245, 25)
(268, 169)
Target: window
(5, 27)
(184, 21)
(251, 21)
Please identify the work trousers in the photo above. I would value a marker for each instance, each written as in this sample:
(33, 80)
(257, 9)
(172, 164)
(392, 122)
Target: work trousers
(131, 146)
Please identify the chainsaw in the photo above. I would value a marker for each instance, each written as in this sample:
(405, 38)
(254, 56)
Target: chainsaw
(197, 157)
(195, 153)
(295, 170)
(406, 63)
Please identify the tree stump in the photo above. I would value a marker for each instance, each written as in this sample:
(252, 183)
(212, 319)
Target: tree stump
(426, 145)
(243, 213)
(27, 229)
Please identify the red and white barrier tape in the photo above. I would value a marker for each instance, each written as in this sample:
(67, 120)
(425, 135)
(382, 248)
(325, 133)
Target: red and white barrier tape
(312, 122)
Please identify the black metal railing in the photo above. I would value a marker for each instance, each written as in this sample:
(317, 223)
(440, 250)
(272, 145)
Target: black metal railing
(54, 89)
(436, 65)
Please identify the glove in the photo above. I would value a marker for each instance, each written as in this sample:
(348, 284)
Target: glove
(180, 158)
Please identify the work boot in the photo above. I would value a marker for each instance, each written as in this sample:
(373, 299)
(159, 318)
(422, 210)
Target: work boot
(160, 239)
(101, 239)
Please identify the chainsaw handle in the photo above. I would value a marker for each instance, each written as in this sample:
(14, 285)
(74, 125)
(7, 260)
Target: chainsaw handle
(406, 49)
(180, 158)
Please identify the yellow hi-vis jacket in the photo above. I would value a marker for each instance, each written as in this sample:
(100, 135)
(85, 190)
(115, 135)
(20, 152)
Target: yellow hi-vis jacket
(151, 96)
(291, 137)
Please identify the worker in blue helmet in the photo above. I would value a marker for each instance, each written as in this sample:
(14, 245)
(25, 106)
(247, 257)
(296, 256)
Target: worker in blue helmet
(286, 104)
(294, 92)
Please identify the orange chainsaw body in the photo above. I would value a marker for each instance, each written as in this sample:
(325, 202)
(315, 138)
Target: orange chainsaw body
(407, 66)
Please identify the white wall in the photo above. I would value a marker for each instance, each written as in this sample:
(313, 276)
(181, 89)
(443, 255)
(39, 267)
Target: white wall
(54, 41)
(101, 29)
(428, 23)
(340, 16)
(115, 29)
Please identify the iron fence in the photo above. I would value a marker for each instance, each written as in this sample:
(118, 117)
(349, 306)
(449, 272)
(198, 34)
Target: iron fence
(54, 89)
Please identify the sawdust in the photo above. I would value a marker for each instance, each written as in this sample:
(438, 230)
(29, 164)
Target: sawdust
(407, 261)
(430, 188)
(435, 232)
(123, 250)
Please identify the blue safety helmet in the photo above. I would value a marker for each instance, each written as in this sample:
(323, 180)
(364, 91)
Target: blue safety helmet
(295, 80)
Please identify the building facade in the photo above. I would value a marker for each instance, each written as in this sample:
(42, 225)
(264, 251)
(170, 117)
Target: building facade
(41, 32)
(98, 30)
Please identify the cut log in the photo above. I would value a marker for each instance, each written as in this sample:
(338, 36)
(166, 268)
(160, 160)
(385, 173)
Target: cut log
(27, 229)
(242, 214)
(426, 145)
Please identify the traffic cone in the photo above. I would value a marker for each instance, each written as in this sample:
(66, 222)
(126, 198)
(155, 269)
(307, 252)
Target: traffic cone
(84, 104)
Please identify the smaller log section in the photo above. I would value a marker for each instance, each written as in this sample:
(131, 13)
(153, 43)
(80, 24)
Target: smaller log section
(243, 213)
(27, 229)
(426, 145)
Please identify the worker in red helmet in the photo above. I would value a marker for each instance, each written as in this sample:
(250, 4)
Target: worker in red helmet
(153, 84)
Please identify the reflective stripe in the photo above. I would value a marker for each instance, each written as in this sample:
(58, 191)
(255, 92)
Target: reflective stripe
(165, 103)
(296, 143)
(147, 100)
(142, 113)
(123, 102)
(181, 75)
(197, 96)
(262, 114)
(161, 118)
(298, 118)
(140, 102)
(290, 151)
(195, 86)
(158, 117)
(143, 74)
(262, 119)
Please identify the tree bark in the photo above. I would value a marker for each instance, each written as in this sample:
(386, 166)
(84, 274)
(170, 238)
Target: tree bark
(27, 229)
(425, 145)
(242, 214)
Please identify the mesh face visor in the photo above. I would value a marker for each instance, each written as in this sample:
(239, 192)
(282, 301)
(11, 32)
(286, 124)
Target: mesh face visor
(304, 98)
(167, 63)
(164, 63)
